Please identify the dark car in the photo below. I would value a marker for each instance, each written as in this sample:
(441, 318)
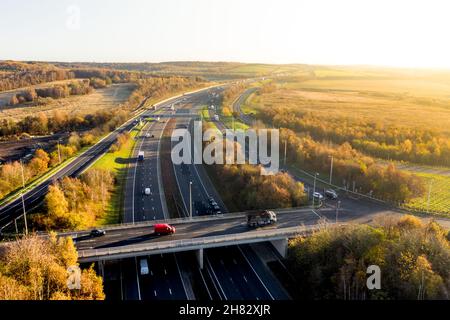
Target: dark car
(331, 194)
(97, 233)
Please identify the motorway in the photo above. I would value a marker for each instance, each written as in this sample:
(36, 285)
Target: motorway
(162, 282)
(225, 268)
(229, 273)
(202, 188)
(237, 106)
(146, 174)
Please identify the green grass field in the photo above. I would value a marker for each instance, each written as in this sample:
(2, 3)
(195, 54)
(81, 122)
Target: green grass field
(110, 162)
(439, 196)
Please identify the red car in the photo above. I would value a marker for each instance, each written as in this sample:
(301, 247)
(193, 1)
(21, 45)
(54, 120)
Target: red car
(164, 229)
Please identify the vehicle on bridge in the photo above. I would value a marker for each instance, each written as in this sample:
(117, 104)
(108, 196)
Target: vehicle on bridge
(97, 233)
(262, 218)
(164, 229)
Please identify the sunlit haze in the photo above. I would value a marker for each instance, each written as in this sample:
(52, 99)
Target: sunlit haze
(382, 32)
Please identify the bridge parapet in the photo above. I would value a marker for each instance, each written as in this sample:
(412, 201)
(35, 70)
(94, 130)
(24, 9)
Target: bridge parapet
(191, 244)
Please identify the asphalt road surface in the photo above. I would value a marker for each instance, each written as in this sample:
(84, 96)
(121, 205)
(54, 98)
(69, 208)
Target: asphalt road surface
(145, 174)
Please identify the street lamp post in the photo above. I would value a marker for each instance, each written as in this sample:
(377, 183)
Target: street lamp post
(59, 153)
(337, 210)
(190, 199)
(331, 169)
(23, 200)
(429, 195)
(314, 188)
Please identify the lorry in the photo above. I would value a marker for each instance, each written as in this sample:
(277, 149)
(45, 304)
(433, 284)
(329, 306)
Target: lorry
(261, 218)
(163, 229)
(144, 266)
(141, 155)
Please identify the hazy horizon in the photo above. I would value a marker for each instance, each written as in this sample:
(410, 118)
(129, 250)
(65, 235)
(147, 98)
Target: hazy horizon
(404, 34)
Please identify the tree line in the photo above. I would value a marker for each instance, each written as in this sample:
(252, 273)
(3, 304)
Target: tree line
(19, 74)
(14, 75)
(418, 145)
(61, 122)
(413, 257)
(384, 182)
(247, 189)
(35, 268)
(60, 91)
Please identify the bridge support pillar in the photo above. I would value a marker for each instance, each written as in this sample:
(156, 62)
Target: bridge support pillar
(199, 255)
(281, 246)
(101, 268)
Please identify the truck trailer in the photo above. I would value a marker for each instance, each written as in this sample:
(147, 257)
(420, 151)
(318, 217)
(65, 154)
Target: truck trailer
(261, 218)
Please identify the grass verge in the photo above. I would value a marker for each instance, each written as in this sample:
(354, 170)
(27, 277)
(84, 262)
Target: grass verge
(115, 162)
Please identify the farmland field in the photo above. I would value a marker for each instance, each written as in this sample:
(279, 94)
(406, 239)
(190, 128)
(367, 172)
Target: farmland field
(375, 111)
(439, 197)
(389, 102)
(100, 99)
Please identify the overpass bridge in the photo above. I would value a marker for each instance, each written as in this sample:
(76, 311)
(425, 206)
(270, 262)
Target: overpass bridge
(196, 234)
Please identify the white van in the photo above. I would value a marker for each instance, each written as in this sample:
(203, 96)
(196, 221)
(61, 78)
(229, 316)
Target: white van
(144, 266)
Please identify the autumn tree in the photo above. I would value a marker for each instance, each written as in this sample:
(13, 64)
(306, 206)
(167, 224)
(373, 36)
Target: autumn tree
(35, 268)
(414, 258)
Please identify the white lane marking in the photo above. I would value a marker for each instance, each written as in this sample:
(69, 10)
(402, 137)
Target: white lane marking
(245, 279)
(248, 262)
(137, 279)
(181, 278)
(135, 171)
(215, 277)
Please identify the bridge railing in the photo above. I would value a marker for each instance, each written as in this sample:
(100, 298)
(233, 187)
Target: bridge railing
(232, 215)
(186, 244)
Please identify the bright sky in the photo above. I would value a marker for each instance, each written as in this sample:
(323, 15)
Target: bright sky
(382, 32)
